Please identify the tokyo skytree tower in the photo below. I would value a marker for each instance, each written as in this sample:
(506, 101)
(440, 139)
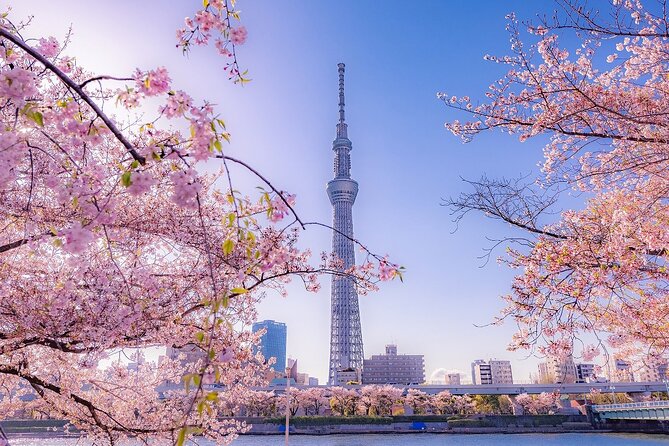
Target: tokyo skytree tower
(345, 331)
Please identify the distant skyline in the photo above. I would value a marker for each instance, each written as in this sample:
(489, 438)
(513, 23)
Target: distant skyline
(283, 122)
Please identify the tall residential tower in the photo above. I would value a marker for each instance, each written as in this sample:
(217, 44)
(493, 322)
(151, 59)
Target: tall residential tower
(345, 330)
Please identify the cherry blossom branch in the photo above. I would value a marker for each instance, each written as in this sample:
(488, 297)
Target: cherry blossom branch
(99, 78)
(70, 83)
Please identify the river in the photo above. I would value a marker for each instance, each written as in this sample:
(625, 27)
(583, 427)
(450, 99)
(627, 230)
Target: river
(585, 439)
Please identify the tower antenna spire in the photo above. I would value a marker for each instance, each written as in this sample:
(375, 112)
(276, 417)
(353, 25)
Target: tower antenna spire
(341, 126)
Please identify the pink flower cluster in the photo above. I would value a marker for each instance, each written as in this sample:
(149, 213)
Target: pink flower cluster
(214, 21)
(203, 133)
(186, 188)
(177, 104)
(205, 20)
(48, 47)
(10, 157)
(77, 238)
(387, 271)
(17, 85)
(238, 35)
(153, 82)
(140, 183)
(278, 209)
(129, 98)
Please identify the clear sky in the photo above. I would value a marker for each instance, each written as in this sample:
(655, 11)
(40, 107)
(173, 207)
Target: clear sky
(398, 55)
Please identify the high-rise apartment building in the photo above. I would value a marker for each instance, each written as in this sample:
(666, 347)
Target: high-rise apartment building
(558, 370)
(623, 371)
(653, 370)
(494, 371)
(585, 373)
(273, 342)
(392, 368)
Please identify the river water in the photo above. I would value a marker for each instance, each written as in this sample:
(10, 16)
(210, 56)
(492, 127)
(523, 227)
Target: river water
(585, 439)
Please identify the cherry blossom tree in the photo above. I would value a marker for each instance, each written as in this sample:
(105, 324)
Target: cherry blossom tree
(418, 400)
(543, 404)
(492, 404)
(442, 403)
(600, 110)
(313, 399)
(343, 401)
(112, 239)
(294, 401)
(378, 399)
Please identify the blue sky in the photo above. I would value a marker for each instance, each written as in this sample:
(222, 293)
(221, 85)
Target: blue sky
(398, 55)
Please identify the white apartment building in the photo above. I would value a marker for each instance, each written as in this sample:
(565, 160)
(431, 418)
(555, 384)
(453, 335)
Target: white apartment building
(558, 370)
(494, 371)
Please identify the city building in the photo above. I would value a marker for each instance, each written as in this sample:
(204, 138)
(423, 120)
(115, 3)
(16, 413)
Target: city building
(345, 377)
(453, 379)
(346, 349)
(476, 371)
(302, 379)
(392, 368)
(313, 381)
(558, 370)
(623, 371)
(273, 342)
(494, 371)
(653, 370)
(585, 373)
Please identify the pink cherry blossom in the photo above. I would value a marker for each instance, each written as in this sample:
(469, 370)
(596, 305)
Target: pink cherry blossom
(49, 47)
(77, 238)
(238, 35)
(141, 182)
(17, 84)
(153, 82)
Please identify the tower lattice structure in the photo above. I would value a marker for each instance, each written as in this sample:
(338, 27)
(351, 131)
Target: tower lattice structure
(346, 349)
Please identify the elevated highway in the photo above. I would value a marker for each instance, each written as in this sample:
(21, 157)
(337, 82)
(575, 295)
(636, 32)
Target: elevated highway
(517, 389)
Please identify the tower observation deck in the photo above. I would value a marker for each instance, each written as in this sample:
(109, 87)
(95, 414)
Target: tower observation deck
(346, 351)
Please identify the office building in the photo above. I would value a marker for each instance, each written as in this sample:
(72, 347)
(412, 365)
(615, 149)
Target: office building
(273, 342)
(392, 368)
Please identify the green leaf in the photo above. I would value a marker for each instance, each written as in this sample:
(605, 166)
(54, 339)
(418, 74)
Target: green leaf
(38, 118)
(199, 336)
(218, 145)
(239, 291)
(181, 438)
(125, 178)
(135, 164)
(212, 396)
(228, 246)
